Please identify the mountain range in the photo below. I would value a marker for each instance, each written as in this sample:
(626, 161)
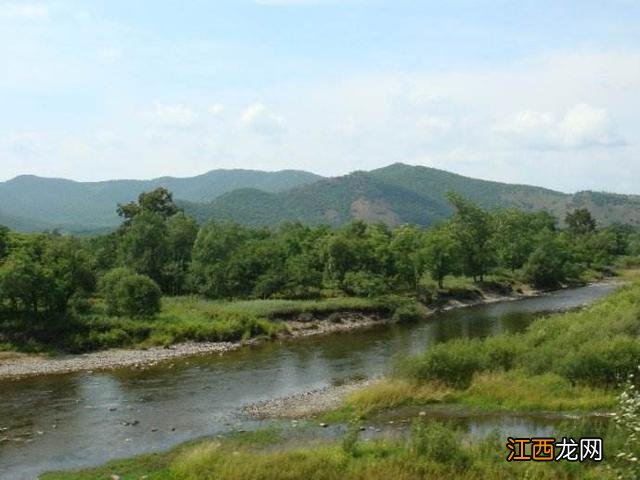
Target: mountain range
(395, 194)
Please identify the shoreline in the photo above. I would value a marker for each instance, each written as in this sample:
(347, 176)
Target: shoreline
(26, 365)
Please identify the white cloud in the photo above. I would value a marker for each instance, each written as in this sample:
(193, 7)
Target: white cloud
(434, 123)
(216, 109)
(177, 115)
(581, 126)
(585, 126)
(259, 119)
(23, 10)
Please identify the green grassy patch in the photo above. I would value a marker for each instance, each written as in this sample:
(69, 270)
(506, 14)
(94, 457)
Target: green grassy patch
(433, 450)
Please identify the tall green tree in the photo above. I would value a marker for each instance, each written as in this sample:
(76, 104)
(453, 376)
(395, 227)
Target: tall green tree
(407, 249)
(580, 221)
(473, 229)
(158, 201)
(4, 242)
(144, 246)
(441, 253)
(182, 231)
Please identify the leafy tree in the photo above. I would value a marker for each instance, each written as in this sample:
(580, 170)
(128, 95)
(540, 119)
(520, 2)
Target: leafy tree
(472, 227)
(441, 253)
(547, 265)
(182, 231)
(44, 272)
(69, 265)
(303, 276)
(580, 221)
(409, 261)
(339, 256)
(214, 247)
(131, 294)
(158, 201)
(515, 234)
(364, 284)
(144, 246)
(4, 242)
(24, 282)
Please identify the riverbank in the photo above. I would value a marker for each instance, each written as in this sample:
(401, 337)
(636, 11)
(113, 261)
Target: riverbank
(200, 397)
(294, 319)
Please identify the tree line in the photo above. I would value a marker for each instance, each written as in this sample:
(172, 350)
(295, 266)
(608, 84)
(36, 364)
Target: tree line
(159, 250)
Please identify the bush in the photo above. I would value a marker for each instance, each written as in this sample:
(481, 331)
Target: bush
(409, 313)
(501, 352)
(131, 294)
(364, 284)
(437, 443)
(453, 363)
(602, 362)
(109, 284)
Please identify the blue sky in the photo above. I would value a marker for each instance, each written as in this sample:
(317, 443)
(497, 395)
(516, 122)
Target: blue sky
(540, 92)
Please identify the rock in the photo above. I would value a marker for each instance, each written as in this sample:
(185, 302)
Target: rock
(173, 429)
(362, 429)
(423, 414)
(324, 425)
(115, 477)
(154, 429)
(135, 422)
(112, 409)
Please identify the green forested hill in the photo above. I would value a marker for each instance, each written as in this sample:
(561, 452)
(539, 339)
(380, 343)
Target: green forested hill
(332, 201)
(404, 194)
(36, 203)
(395, 194)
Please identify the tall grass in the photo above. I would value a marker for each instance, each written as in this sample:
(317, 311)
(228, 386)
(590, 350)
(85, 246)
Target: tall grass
(597, 346)
(432, 450)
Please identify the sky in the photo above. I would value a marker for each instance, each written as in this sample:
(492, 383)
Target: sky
(537, 92)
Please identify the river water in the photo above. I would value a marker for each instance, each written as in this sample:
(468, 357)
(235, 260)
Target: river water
(77, 420)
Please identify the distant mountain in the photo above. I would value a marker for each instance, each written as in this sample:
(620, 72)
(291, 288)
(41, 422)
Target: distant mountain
(332, 201)
(31, 203)
(394, 195)
(403, 194)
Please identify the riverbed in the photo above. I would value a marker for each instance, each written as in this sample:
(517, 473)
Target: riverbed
(84, 419)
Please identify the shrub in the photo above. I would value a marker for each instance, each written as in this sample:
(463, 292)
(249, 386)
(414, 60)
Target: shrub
(364, 284)
(131, 294)
(409, 313)
(437, 443)
(602, 362)
(109, 284)
(501, 352)
(453, 363)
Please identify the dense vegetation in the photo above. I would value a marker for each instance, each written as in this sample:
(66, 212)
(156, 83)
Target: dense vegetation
(85, 293)
(558, 364)
(431, 450)
(394, 195)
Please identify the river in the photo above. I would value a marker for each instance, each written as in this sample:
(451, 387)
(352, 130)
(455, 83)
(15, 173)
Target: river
(77, 420)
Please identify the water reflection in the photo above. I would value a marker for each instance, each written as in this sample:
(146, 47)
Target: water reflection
(87, 419)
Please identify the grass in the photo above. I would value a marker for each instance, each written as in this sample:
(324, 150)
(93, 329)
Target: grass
(432, 450)
(272, 309)
(515, 391)
(180, 319)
